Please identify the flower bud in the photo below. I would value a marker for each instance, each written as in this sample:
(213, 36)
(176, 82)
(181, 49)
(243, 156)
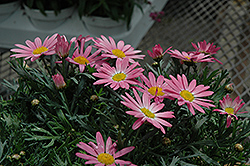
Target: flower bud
(16, 156)
(25, 65)
(229, 88)
(116, 126)
(238, 147)
(166, 141)
(22, 153)
(155, 64)
(94, 97)
(35, 102)
(62, 46)
(59, 81)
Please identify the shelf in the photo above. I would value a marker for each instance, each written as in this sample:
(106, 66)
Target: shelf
(18, 28)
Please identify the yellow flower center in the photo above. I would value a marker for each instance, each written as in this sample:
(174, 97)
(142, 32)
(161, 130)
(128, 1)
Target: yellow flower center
(188, 58)
(187, 95)
(119, 77)
(81, 60)
(105, 158)
(153, 90)
(229, 110)
(147, 113)
(40, 50)
(118, 53)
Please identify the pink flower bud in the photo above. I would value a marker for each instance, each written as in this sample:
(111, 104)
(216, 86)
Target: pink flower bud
(161, 13)
(157, 53)
(59, 81)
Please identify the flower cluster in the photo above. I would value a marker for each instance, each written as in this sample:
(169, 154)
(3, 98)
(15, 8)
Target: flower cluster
(157, 16)
(151, 96)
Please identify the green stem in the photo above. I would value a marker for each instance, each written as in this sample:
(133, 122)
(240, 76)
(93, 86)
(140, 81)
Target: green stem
(46, 67)
(138, 130)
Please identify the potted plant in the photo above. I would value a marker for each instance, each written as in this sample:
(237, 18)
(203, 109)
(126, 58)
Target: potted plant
(7, 7)
(108, 17)
(54, 12)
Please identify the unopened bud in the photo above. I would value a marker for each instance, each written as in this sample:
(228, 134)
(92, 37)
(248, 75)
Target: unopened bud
(229, 88)
(238, 147)
(16, 156)
(22, 153)
(155, 64)
(116, 126)
(35, 102)
(166, 141)
(94, 98)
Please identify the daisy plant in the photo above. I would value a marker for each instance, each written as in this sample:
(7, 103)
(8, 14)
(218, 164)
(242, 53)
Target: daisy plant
(77, 89)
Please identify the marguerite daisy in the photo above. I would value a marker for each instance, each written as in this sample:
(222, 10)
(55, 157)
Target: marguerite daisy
(35, 49)
(82, 57)
(120, 76)
(154, 87)
(207, 48)
(230, 108)
(189, 94)
(101, 156)
(119, 50)
(191, 56)
(146, 111)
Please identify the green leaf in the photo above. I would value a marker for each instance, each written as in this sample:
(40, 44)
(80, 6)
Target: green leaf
(174, 161)
(244, 115)
(200, 122)
(49, 144)
(2, 147)
(153, 70)
(204, 156)
(183, 163)
(63, 119)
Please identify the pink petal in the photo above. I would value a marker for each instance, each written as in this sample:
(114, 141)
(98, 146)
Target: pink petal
(87, 148)
(138, 123)
(85, 156)
(124, 151)
(99, 141)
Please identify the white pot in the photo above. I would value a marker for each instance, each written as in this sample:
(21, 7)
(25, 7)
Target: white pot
(51, 21)
(104, 26)
(7, 9)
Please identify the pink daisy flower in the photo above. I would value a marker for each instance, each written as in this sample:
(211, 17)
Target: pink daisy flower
(157, 52)
(207, 48)
(82, 57)
(189, 94)
(145, 111)
(101, 156)
(154, 87)
(191, 56)
(35, 49)
(120, 76)
(230, 108)
(120, 50)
